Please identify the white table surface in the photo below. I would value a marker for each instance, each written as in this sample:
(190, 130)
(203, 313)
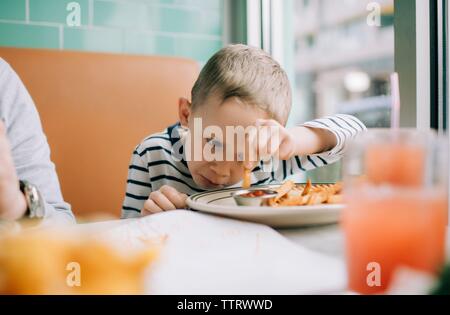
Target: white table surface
(207, 254)
(301, 247)
(325, 239)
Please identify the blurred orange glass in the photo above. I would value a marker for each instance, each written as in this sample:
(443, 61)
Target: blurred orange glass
(50, 262)
(395, 163)
(397, 205)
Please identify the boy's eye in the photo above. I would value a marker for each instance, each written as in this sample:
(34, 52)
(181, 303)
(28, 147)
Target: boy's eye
(214, 143)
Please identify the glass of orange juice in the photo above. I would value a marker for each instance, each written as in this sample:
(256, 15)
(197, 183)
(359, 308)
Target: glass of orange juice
(396, 192)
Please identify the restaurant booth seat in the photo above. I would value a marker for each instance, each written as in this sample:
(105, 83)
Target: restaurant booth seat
(95, 108)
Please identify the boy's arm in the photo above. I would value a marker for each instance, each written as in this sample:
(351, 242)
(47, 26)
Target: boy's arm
(138, 187)
(318, 143)
(344, 127)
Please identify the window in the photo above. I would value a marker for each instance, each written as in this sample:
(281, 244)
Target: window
(344, 55)
(343, 59)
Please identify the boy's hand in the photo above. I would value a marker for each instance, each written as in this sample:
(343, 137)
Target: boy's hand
(165, 199)
(273, 139)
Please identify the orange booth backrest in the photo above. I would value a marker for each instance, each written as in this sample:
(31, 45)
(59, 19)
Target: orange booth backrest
(95, 108)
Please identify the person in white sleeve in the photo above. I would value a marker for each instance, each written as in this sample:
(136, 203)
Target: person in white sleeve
(29, 186)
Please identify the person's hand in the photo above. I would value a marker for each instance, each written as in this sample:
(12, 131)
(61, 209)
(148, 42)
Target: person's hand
(165, 199)
(274, 140)
(12, 201)
(271, 140)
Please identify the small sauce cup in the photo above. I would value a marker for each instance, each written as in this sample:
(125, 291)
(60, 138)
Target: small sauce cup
(253, 197)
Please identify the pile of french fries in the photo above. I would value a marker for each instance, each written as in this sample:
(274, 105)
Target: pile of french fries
(290, 194)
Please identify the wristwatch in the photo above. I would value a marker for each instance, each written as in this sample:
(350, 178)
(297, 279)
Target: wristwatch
(35, 202)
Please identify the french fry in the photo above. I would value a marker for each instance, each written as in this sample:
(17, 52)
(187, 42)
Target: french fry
(307, 187)
(296, 201)
(291, 195)
(338, 187)
(335, 199)
(246, 181)
(317, 198)
(284, 189)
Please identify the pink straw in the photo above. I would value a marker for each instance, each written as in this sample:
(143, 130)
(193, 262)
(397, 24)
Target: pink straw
(395, 91)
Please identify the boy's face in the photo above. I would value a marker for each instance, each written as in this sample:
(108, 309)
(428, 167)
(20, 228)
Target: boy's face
(214, 115)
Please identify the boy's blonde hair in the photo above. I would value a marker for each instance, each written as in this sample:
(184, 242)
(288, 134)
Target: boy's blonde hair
(248, 73)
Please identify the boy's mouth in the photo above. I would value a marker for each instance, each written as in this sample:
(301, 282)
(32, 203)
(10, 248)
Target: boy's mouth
(209, 183)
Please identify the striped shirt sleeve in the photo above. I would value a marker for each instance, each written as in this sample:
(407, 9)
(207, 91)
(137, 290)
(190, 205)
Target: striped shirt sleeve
(344, 127)
(138, 187)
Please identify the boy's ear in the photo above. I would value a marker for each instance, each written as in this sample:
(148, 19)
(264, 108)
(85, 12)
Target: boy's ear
(184, 111)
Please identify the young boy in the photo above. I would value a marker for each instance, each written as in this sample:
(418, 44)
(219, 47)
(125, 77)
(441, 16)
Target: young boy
(239, 86)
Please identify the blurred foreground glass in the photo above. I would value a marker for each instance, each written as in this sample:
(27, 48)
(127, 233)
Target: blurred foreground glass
(396, 191)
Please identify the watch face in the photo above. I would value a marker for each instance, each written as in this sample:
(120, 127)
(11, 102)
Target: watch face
(35, 201)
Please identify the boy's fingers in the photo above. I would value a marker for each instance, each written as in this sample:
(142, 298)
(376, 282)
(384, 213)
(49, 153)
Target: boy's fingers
(275, 142)
(250, 151)
(145, 213)
(287, 148)
(263, 144)
(162, 201)
(176, 198)
(270, 138)
(251, 155)
(150, 207)
(183, 198)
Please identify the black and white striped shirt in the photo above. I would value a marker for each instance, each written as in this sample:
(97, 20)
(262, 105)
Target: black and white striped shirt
(154, 165)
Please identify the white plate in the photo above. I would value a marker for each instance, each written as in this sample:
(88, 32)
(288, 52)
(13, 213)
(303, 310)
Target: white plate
(221, 202)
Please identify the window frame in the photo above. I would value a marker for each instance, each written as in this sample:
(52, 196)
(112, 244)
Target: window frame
(438, 65)
(421, 55)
